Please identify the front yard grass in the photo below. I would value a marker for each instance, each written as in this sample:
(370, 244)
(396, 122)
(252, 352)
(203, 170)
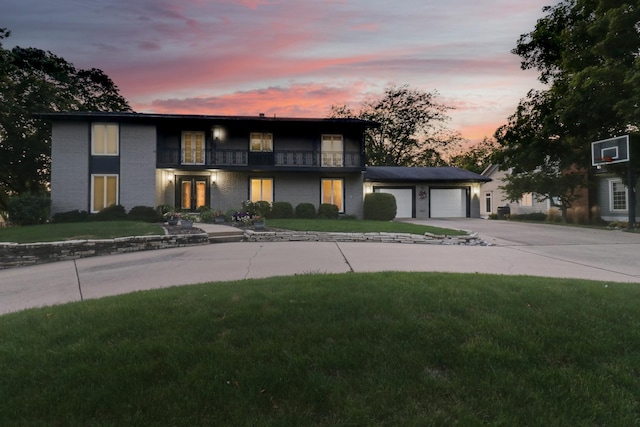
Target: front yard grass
(389, 348)
(78, 231)
(358, 226)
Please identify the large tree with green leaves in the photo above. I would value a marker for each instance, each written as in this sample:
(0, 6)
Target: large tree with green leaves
(412, 128)
(477, 157)
(35, 81)
(586, 53)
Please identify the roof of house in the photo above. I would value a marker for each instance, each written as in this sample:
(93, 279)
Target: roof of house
(152, 117)
(412, 174)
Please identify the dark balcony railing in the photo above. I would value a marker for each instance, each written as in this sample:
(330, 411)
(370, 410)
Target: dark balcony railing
(172, 157)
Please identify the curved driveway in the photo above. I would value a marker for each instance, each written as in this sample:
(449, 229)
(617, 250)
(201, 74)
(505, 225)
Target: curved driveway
(517, 249)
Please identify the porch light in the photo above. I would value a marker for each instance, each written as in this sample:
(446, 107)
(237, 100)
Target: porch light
(218, 133)
(214, 177)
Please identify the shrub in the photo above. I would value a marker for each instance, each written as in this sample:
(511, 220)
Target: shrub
(145, 214)
(533, 216)
(110, 213)
(493, 216)
(380, 206)
(28, 209)
(207, 215)
(328, 211)
(281, 210)
(305, 210)
(262, 208)
(70, 216)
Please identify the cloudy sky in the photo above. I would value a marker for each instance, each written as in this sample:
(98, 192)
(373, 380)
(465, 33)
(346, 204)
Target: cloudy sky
(290, 58)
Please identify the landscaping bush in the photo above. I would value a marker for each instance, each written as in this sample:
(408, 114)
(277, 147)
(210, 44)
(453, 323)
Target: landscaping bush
(305, 210)
(262, 208)
(144, 214)
(533, 216)
(70, 216)
(206, 215)
(28, 209)
(110, 213)
(281, 210)
(380, 206)
(328, 211)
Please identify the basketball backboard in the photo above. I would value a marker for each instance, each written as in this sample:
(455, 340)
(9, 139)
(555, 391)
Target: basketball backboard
(608, 151)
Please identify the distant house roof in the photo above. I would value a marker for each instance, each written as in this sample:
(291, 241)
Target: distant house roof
(413, 174)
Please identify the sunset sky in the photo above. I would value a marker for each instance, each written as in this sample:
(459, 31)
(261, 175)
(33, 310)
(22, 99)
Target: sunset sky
(291, 58)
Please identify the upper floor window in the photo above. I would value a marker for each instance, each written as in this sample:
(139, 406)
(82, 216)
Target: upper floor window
(617, 195)
(193, 146)
(104, 139)
(261, 141)
(332, 151)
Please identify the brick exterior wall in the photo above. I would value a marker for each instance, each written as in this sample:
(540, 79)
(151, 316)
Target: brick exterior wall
(70, 186)
(137, 165)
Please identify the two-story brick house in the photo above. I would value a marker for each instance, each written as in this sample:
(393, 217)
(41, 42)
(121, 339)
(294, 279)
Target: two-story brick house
(187, 161)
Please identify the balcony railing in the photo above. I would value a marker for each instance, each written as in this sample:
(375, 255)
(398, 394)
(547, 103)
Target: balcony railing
(172, 157)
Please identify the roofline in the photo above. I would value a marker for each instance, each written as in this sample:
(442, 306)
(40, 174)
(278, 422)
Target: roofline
(147, 117)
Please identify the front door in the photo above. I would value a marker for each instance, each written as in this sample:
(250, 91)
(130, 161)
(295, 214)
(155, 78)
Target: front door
(193, 192)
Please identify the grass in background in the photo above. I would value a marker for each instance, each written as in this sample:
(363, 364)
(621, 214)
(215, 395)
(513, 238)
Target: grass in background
(78, 231)
(351, 349)
(358, 226)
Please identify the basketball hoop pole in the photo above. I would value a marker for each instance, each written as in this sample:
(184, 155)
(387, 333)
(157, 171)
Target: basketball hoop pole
(631, 192)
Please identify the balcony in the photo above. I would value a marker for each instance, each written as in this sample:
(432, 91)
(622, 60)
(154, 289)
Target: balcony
(239, 159)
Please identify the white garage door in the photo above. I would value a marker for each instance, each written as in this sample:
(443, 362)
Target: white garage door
(404, 200)
(448, 203)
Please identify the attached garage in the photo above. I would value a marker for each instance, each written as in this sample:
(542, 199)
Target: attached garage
(404, 200)
(448, 202)
(433, 192)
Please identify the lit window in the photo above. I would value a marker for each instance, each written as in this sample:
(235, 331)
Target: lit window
(104, 139)
(104, 191)
(333, 193)
(193, 145)
(527, 199)
(618, 196)
(261, 142)
(261, 190)
(332, 151)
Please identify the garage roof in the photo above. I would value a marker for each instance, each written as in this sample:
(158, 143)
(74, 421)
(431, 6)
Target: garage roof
(432, 174)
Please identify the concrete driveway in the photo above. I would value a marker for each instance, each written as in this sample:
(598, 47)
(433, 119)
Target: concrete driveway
(519, 249)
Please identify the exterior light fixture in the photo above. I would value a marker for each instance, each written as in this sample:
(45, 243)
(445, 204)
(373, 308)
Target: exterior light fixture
(214, 177)
(218, 133)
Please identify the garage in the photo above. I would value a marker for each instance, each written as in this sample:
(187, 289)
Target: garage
(448, 203)
(404, 200)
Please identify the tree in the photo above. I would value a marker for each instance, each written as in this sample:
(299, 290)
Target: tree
(35, 81)
(477, 157)
(411, 132)
(586, 52)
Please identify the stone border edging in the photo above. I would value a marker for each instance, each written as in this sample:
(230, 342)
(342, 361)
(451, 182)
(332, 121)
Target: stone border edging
(320, 236)
(23, 254)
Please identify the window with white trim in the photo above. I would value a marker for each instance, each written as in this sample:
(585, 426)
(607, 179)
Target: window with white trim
(617, 195)
(487, 202)
(261, 142)
(333, 192)
(105, 139)
(332, 151)
(261, 190)
(193, 146)
(104, 191)
(527, 199)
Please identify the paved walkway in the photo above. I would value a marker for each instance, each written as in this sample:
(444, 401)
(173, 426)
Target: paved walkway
(610, 259)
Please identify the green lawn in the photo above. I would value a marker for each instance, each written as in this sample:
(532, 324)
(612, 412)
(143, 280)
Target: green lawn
(391, 349)
(111, 229)
(358, 226)
(79, 230)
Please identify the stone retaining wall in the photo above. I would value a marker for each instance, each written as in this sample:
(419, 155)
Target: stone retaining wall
(317, 236)
(15, 254)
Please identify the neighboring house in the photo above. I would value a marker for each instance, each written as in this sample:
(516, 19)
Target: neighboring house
(188, 161)
(428, 192)
(493, 197)
(613, 197)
